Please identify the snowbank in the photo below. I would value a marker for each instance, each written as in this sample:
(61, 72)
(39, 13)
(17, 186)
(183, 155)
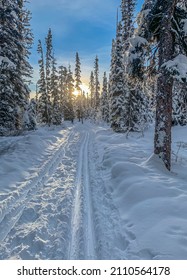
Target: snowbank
(151, 201)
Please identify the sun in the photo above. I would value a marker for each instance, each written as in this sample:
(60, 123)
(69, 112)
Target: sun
(76, 92)
(84, 88)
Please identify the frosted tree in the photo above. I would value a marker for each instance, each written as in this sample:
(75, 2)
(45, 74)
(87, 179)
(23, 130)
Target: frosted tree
(77, 73)
(138, 113)
(68, 106)
(179, 116)
(117, 84)
(111, 75)
(97, 84)
(79, 103)
(165, 22)
(92, 89)
(43, 100)
(14, 66)
(127, 11)
(48, 69)
(30, 116)
(104, 106)
(55, 96)
(62, 87)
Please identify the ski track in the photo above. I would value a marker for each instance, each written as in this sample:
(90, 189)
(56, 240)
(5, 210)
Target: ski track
(11, 215)
(82, 229)
(65, 212)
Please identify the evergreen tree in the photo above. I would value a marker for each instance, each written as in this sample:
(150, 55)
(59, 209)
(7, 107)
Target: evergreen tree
(92, 89)
(137, 113)
(117, 84)
(127, 11)
(104, 100)
(30, 115)
(77, 73)
(111, 75)
(48, 68)
(97, 84)
(68, 106)
(165, 21)
(179, 116)
(62, 87)
(14, 66)
(43, 102)
(55, 98)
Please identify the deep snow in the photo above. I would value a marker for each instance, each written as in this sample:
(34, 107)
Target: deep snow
(84, 192)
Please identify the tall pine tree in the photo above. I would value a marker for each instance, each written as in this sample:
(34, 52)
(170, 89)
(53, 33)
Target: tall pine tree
(14, 66)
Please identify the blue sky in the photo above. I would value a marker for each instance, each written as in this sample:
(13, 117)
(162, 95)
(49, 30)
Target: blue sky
(86, 26)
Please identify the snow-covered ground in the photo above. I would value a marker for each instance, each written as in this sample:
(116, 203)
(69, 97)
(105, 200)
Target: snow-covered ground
(84, 192)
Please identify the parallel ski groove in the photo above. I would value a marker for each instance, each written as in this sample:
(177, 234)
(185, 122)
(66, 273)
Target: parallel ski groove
(90, 240)
(10, 218)
(82, 210)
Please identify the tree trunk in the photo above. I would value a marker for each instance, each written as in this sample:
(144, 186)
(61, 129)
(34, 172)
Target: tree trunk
(162, 142)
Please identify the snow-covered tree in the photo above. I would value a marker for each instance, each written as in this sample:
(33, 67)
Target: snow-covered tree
(14, 66)
(92, 89)
(43, 101)
(179, 116)
(104, 106)
(30, 115)
(55, 96)
(97, 84)
(77, 73)
(68, 104)
(137, 112)
(62, 87)
(117, 84)
(165, 22)
(127, 11)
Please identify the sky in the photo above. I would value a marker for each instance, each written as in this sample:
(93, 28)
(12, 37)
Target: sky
(83, 26)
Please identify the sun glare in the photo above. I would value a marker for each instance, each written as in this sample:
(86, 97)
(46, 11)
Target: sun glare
(84, 88)
(76, 93)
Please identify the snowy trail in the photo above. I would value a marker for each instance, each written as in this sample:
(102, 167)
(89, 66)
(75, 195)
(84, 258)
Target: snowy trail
(82, 236)
(11, 215)
(65, 211)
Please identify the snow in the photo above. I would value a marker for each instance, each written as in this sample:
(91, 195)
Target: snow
(185, 26)
(6, 61)
(138, 41)
(151, 201)
(85, 192)
(178, 67)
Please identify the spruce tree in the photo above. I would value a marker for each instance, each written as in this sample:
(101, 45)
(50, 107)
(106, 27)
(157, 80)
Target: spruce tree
(48, 68)
(104, 106)
(77, 73)
(68, 106)
(14, 66)
(62, 87)
(165, 22)
(92, 89)
(55, 98)
(43, 102)
(117, 85)
(111, 75)
(97, 84)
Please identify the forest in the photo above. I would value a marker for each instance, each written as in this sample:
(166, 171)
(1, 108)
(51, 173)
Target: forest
(97, 173)
(147, 80)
